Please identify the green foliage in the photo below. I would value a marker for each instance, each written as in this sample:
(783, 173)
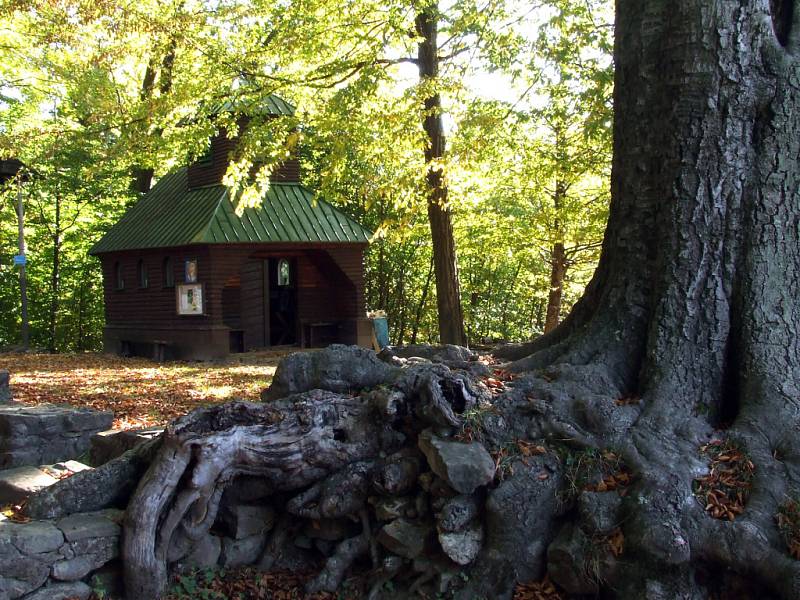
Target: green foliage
(91, 93)
(195, 585)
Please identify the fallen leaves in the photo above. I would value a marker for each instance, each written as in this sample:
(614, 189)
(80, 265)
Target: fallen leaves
(538, 590)
(627, 400)
(530, 448)
(615, 542)
(140, 392)
(788, 520)
(724, 491)
(497, 382)
(615, 475)
(611, 483)
(13, 512)
(248, 584)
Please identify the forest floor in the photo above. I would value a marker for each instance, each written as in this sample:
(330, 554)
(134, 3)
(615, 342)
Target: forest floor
(141, 392)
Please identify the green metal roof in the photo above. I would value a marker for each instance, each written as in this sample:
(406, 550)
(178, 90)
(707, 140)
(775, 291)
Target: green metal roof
(171, 214)
(271, 105)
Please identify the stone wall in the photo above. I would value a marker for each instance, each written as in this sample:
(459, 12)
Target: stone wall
(5, 386)
(45, 434)
(53, 560)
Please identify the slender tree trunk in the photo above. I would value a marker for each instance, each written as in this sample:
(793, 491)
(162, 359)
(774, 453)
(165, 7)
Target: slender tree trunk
(558, 258)
(143, 175)
(55, 275)
(558, 271)
(401, 317)
(422, 300)
(448, 292)
(23, 279)
(79, 343)
(382, 279)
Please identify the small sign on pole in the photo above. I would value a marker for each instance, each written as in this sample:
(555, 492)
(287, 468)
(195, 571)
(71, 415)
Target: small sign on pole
(20, 260)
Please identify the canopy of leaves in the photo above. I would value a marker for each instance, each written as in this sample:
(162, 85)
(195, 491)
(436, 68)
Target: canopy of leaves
(92, 91)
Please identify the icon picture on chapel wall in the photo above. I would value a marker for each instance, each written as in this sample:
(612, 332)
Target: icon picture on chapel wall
(190, 299)
(190, 270)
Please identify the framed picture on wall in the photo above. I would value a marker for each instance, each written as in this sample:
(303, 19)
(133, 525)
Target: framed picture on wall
(190, 299)
(190, 270)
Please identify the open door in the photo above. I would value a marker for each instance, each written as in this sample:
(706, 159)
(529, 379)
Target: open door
(282, 301)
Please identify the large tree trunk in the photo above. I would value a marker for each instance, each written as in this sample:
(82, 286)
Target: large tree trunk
(693, 309)
(448, 289)
(558, 259)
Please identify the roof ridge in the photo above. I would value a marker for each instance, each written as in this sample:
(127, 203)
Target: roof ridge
(200, 235)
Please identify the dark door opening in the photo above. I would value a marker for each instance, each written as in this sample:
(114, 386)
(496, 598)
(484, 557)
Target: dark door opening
(282, 301)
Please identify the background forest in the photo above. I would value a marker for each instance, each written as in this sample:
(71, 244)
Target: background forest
(99, 99)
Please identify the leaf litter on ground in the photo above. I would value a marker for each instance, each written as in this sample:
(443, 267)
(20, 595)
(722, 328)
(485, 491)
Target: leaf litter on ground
(140, 392)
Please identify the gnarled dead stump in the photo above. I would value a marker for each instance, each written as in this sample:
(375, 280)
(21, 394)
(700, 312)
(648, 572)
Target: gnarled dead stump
(291, 444)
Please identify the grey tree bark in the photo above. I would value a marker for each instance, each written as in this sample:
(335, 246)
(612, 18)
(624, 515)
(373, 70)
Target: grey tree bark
(448, 287)
(693, 308)
(558, 264)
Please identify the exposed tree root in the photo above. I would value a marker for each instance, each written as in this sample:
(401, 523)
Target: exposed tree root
(291, 445)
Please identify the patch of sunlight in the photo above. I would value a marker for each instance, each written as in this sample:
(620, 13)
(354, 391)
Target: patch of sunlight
(220, 392)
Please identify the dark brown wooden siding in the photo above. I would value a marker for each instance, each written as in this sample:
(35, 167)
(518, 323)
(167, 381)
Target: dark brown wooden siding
(223, 148)
(154, 306)
(330, 288)
(210, 172)
(252, 307)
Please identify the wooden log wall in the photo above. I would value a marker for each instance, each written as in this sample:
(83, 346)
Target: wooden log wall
(330, 287)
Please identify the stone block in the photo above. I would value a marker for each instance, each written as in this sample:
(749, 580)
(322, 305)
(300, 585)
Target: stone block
(101, 549)
(206, 552)
(88, 525)
(237, 553)
(67, 467)
(463, 466)
(5, 386)
(457, 513)
(20, 457)
(405, 538)
(33, 435)
(72, 569)
(462, 547)
(245, 520)
(21, 574)
(75, 590)
(108, 445)
(17, 484)
(36, 537)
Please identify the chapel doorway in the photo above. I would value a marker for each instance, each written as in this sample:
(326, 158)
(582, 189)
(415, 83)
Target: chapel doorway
(282, 301)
